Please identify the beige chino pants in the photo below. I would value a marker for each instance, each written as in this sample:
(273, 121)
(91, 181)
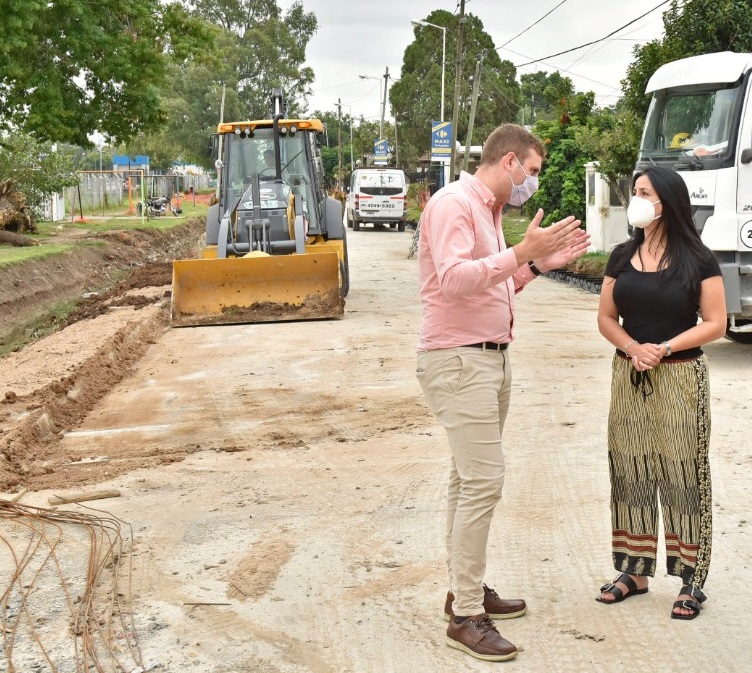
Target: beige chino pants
(468, 390)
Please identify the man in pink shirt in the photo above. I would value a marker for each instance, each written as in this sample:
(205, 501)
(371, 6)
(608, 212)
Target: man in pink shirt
(468, 280)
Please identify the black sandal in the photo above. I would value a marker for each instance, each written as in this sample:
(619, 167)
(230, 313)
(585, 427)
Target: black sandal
(617, 593)
(695, 605)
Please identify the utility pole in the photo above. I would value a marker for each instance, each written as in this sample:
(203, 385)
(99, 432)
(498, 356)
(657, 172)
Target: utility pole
(339, 143)
(383, 104)
(457, 82)
(471, 123)
(396, 144)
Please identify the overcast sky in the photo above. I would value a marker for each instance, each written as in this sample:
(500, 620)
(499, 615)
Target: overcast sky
(363, 37)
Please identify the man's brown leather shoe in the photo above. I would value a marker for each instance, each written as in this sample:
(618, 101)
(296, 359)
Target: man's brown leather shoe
(495, 607)
(478, 637)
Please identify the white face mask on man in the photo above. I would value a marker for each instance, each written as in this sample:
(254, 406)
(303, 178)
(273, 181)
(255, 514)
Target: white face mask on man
(641, 212)
(521, 193)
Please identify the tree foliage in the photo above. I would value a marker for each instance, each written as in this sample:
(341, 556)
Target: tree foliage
(254, 48)
(265, 51)
(544, 93)
(416, 97)
(191, 100)
(38, 168)
(613, 135)
(69, 68)
(561, 189)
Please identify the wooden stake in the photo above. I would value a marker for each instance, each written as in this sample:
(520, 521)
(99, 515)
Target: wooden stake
(80, 497)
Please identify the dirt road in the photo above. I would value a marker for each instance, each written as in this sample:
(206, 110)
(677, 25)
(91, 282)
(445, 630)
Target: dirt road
(291, 475)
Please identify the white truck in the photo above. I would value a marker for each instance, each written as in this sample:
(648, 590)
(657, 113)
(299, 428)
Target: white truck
(700, 123)
(378, 196)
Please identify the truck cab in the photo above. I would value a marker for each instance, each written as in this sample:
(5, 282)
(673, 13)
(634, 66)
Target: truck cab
(700, 123)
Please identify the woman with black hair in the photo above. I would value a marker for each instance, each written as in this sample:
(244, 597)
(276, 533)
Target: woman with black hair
(659, 421)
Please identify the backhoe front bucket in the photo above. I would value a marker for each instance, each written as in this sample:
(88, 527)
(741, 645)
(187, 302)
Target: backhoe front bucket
(256, 289)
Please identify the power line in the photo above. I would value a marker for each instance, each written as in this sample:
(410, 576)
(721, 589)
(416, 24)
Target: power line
(335, 86)
(587, 44)
(556, 67)
(531, 25)
(367, 93)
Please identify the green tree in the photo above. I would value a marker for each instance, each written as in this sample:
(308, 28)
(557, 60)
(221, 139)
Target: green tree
(69, 69)
(191, 100)
(39, 168)
(612, 135)
(268, 51)
(364, 134)
(253, 49)
(544, 93)
(561, 189)
(416, 97)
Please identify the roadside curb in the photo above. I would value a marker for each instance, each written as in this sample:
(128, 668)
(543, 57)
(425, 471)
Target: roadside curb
(581, 280)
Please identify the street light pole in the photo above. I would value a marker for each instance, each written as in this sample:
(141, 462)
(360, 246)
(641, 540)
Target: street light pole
(417, 22)
(383, 103)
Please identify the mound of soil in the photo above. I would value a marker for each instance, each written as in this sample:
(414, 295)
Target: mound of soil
(120, 282)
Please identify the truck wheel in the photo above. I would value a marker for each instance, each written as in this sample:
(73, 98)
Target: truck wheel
(355, 224)
(401, 226)
(740, 337)
(349, 220)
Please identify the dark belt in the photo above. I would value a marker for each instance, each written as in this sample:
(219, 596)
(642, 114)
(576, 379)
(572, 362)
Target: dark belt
(489, 346)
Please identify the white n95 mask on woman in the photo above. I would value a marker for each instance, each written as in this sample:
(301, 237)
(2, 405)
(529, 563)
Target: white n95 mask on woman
(641, 212)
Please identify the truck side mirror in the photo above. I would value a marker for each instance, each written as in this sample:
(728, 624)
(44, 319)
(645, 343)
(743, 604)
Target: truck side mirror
(746, 156)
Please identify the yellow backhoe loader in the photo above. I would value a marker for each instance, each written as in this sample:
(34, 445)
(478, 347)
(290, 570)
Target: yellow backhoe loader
(275, 246)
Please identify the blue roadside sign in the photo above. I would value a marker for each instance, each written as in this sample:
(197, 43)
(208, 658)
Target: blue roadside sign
(380, 152)
(441, 140)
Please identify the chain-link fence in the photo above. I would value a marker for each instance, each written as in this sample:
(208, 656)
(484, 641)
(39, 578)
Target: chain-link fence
(97, 193)
(107, 192)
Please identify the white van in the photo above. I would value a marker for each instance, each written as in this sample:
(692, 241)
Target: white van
(378, 196)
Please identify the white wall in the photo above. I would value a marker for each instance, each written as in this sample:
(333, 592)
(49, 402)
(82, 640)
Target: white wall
(606, 223)
(54, 207)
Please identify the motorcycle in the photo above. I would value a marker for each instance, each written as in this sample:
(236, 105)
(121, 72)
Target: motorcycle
(156, 206)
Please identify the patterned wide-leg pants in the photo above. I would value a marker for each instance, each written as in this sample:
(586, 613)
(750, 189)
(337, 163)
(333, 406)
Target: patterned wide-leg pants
(658, 436)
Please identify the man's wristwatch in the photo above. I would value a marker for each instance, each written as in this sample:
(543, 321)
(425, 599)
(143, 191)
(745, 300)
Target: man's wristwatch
(536, 271)
(668, 347)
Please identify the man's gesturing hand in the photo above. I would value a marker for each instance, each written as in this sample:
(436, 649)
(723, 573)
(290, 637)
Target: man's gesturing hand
(563, 239)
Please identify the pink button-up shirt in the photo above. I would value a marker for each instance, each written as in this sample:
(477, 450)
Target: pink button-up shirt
(468, 277)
